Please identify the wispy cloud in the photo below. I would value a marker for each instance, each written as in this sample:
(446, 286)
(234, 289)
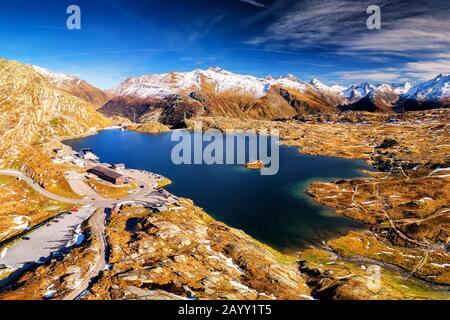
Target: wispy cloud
(428, 33)
(254, 3)
(368, 75)
(31, 26)
(311, 23)
(413, 34)
(343, 24)
(202, 27)
(420, 70)
(429, 68)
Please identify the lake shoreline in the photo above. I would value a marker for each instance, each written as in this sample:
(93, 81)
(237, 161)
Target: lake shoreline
(344, 259)
(388, 172)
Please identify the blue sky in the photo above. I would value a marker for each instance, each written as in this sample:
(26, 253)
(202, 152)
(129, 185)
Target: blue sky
(325, 39)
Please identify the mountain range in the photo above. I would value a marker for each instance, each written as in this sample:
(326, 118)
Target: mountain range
(170, 97)
(31, 98)
(215, 92)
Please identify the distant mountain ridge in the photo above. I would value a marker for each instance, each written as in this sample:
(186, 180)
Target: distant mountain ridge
(434, 93)
(37, 104)
(173, 96)
(214, 80)
(373, 98)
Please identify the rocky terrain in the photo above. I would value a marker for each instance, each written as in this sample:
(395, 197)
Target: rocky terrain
(406, 204)
(76, 87)
(176, 254)
(33, 110)
(148, 127)
(185, 253)
(335, 277)
(34, 115)
(30, 208)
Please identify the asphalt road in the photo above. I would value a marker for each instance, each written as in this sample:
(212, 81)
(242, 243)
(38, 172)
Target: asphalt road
(141, 193)
(43, 241)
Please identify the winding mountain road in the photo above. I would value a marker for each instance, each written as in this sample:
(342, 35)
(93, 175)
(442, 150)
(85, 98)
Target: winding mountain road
(96, 222)
(87, 201)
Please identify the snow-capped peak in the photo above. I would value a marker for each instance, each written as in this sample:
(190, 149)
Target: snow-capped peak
(358, 91)
(166, 84)
(290, 77)
(402, 88)
(320, 86)
(58, 78)
(317, 82)
(434, 89)
(216, 69)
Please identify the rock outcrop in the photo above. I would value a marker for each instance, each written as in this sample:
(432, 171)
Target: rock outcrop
(76, 87)
(33, 110)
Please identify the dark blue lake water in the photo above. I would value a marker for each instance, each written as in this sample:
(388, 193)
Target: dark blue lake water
(272, 209)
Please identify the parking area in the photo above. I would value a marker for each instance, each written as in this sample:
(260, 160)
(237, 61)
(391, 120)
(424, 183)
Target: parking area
(42, 242)
(76, 182)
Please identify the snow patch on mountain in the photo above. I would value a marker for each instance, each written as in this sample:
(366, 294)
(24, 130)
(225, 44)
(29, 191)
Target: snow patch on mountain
(219, 80)
(432, 90)
(166, 84)
(58, 78)
(365, 89)
(321, 87)
(358, 91)
(402, 88)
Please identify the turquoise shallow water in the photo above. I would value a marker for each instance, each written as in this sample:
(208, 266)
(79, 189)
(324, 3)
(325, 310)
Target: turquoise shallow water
(272, 209)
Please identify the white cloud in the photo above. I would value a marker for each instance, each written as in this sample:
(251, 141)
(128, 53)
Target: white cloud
(407, 28)
(253, 3)
(427, 69)
(313, 23)
(368, 75)
(413, 42)
(406, 35)
(420, 70)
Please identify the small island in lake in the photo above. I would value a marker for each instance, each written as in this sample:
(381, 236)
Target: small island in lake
(258, 164)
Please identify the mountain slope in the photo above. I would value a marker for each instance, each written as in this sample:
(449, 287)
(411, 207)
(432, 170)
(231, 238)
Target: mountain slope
(212, 80)
(34, 110)
(76, 87)
(334, 95)
(373, 98)
(434, 93)
(172, 97)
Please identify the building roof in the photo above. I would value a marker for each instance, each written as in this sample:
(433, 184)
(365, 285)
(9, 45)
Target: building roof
(107, 172)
